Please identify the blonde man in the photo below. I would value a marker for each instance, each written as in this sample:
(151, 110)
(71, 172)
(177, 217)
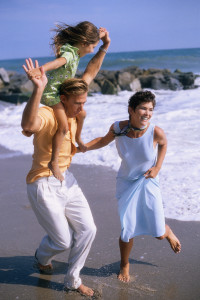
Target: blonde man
(60, 207)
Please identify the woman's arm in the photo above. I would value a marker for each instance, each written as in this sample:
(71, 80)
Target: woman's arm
(161, 140)
(101, 141)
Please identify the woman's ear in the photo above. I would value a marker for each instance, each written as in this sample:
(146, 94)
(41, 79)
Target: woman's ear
(130, 110)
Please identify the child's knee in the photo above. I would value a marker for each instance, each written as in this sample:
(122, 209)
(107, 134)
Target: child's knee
(63, 128)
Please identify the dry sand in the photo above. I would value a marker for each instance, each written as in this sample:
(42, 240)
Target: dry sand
(156, 272)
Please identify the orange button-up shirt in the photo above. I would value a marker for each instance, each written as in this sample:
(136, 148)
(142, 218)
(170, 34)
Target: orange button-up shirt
(42, 142)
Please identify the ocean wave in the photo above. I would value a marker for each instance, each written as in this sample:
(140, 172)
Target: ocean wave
(177, 112)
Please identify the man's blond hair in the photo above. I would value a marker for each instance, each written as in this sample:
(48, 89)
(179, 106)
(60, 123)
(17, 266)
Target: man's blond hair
(73, 86)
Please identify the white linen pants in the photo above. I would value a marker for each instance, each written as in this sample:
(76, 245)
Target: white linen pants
(64, 213)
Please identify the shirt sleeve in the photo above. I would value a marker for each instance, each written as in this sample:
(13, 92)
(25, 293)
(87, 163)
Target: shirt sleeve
(67, 53)
(46, 119)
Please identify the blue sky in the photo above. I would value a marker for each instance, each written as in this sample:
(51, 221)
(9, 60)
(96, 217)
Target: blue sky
(133, 25)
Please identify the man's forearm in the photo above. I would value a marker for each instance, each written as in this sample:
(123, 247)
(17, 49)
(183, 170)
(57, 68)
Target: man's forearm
(30, 121)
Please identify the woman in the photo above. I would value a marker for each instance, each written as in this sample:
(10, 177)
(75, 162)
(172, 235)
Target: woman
(142, 148)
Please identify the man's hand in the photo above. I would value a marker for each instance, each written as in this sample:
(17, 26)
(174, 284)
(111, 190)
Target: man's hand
(39, 81)
(35, 73)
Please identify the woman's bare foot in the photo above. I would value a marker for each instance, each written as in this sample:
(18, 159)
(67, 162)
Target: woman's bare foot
(124, 273)
(55, 170)
(174, 242)
(84, 290)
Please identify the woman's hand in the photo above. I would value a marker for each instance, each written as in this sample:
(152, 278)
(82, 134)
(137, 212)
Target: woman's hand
(152, 172)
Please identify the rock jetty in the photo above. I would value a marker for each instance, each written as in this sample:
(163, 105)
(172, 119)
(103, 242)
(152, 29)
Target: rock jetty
(16, 88)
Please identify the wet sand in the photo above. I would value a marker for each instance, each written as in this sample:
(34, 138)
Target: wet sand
(156, 272)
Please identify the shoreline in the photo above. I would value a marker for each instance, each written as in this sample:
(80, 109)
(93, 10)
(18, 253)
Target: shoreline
(156, 272)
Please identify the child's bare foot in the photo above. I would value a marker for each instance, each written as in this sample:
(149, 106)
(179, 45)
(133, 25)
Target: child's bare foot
(174, 242)
(124, 273)
(55, 170)
(84, 290)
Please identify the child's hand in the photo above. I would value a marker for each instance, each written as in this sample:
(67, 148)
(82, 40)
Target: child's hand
(104, 36)
(102, 32)
(35, 73)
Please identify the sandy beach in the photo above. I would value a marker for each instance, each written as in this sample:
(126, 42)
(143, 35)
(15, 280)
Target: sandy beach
(156, 272)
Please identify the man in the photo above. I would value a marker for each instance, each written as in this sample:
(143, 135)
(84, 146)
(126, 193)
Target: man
(60, 207)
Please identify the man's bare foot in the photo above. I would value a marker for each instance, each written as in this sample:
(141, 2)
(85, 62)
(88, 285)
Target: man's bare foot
(124, 273)
(84, 290)
(174, 242)
(43, 269)
(55, 170)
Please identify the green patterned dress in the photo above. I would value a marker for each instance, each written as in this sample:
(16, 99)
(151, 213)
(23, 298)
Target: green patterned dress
(56, 77)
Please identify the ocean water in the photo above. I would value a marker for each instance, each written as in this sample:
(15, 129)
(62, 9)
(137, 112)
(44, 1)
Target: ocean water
(187, 60)
(176, 112)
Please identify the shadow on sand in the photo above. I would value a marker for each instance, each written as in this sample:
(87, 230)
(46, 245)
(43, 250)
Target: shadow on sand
(19, 270)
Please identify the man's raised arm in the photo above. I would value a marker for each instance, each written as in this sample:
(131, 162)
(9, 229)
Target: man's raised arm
(30, 120)
(95, 63)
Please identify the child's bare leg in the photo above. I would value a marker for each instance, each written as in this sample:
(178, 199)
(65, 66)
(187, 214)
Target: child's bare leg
(58, 140)
(125, 249)
(172, 239)
(80, 120)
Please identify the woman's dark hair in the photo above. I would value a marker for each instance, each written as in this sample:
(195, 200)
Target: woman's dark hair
(141, 97)
(84, 32)
(134, 101)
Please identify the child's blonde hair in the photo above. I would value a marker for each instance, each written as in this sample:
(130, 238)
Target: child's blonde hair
(84, 32)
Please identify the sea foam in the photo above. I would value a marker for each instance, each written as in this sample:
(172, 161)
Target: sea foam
(177, 113)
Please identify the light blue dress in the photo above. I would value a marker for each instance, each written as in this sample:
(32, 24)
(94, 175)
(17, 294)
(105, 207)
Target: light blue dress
(139, 199)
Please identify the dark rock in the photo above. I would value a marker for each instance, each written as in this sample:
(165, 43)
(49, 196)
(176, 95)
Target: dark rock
(17, 88)
(109, 75)
(94, 87)
(108, 88)
(4, 76)
(174, 84)
(14, 97)
(134, 71)
(187, 80)
(146, 81)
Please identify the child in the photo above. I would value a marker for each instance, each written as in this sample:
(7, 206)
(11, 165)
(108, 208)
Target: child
(70, 43)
